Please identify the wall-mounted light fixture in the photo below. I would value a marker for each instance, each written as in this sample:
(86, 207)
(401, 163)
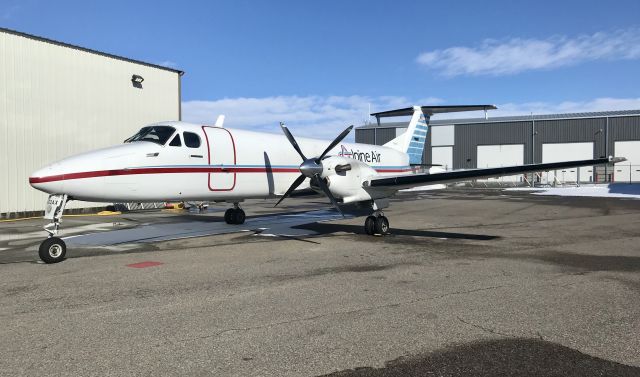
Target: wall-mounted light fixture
(137, 79)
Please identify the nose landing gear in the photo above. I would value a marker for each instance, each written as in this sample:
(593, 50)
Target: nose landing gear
(53, 249)
(234, 215)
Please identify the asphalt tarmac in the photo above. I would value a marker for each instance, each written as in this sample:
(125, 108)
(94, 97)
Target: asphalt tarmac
(468, 283)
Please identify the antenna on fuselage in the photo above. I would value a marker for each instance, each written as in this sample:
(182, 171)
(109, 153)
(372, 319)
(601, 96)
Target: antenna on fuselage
(220, 121)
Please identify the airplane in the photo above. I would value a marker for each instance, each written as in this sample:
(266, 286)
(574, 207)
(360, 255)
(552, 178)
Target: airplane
(179, 161)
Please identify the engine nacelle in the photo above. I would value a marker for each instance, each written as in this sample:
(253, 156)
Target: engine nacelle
(345, 177)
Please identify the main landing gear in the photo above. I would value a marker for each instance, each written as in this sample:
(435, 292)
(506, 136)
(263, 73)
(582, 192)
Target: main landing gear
(376, 224)
(53, 249)
(234, 215)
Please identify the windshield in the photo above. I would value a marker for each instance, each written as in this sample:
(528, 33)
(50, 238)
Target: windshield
(154, 134)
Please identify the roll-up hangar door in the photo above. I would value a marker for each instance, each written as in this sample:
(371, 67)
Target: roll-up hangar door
(442, 140)
(557, 152)
(628, 171)
(442, 156)
(494, 156)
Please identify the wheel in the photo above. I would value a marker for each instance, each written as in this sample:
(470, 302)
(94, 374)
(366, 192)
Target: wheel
(370, 225)
(382, 225)
(229, 215)
(52, 250)
(239, 216)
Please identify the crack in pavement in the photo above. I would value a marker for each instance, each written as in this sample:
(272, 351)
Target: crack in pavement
(352, 311)
(486, 329)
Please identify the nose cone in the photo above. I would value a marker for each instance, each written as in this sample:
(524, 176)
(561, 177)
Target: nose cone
(310, 168)
(47, 179)
(81, 175)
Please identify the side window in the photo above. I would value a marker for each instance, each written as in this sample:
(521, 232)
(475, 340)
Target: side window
(191, 140)
(176, 141)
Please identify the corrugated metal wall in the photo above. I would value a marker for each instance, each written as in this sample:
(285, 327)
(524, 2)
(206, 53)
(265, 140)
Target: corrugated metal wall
(623, 129)
(56, 101)
(469, 136)
(385, 135)
(571, 131)
(377, 136)
(366, 136)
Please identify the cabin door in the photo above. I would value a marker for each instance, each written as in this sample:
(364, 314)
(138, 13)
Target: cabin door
(222, 159)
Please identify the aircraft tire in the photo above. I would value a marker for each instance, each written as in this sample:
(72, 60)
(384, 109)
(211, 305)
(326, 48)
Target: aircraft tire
(382, 225)
(239, 216)
(370, 225)
(52, 250)
(229, 216)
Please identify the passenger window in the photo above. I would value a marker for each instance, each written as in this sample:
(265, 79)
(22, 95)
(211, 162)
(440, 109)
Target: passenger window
(176, 141)
(191, 140)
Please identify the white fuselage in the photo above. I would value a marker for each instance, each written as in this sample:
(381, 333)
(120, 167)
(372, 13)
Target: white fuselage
(228, 165)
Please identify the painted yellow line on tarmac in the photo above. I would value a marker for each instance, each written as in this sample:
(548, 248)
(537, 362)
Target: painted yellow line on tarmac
(20, 219)
(103, 213)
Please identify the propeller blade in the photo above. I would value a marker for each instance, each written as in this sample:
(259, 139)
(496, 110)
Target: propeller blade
(292, 140)
(327, 192)
(335, 142)
(293, 186)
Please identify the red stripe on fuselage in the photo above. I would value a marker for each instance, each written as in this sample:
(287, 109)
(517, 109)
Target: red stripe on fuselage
(116, 172)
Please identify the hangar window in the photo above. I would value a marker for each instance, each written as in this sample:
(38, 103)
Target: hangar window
(154, 134)
(176, 141)
(191, 140)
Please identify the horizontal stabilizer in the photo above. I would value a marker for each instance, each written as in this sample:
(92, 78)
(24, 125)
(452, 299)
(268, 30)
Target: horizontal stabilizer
(430, 110)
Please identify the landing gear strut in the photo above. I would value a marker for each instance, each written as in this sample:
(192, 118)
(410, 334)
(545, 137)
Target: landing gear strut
(53, 249)
(376, 224)
(234, 215)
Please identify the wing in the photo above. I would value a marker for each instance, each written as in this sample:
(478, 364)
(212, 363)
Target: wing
(411, 180)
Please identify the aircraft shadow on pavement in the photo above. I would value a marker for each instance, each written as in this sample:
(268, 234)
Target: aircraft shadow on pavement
(624, 188)
(577, 261)
(326, 228)
(503, 357)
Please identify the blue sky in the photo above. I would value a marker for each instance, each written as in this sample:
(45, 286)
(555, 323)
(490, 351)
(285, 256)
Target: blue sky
(319, 65)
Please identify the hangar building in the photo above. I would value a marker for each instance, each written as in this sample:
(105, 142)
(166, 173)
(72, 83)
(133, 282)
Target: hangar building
(515, 140)
(57, 99)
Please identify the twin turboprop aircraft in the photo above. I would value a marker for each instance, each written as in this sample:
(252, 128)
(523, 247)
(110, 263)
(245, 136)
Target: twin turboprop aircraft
(178, 161)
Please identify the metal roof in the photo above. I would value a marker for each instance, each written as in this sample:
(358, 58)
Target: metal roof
(118, 57)
(519, 118)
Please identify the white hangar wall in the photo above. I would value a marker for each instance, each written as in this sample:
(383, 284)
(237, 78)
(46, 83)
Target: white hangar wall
(57, 100)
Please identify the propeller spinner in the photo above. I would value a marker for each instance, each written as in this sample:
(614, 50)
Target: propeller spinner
(312, 167)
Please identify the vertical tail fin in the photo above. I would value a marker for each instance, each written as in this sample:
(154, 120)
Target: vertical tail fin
(412, 141)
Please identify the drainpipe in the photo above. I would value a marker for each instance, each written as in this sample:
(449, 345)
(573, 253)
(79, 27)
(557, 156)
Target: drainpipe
(533, 148)
(606, 149)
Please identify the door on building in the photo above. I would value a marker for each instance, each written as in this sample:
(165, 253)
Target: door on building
(627, 171)
(495, 156)
(442, 156)
(222, 159)
(556, 152)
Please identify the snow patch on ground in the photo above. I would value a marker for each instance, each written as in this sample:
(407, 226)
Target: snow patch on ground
(426, 188)
(622, 190)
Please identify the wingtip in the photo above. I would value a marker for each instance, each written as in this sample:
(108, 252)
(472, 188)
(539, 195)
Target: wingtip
(615, 160)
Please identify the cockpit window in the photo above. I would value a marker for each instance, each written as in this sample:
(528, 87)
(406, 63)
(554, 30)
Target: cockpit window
(176, 141)
(154, 134)
(191, 140)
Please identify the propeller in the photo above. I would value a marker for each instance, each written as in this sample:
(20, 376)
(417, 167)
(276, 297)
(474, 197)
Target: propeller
(312, 167)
